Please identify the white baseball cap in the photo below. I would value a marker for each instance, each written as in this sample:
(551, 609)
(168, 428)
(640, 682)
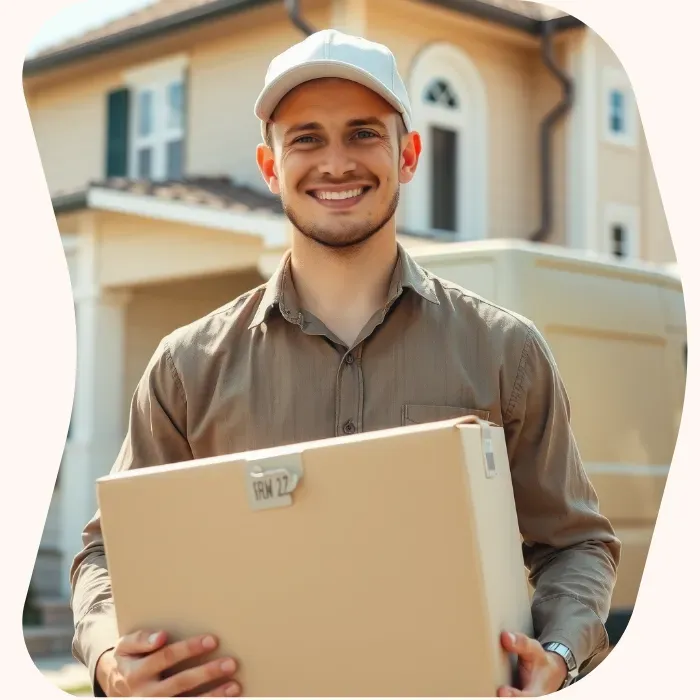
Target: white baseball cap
(333, 54)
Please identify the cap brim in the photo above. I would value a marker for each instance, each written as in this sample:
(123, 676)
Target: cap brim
(273, 93)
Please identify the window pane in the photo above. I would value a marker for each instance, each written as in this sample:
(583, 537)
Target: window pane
(175, 105)
(440, 92)
(444, 181)
(145, 113)
(619, 242)
(617, 111)
(144, 163)
(174, 160)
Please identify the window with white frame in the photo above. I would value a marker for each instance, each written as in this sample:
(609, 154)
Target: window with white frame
(158, 121)
(620, 114)
(448, 196)
(619, 239)
(444, 156)
(617, 122)
(621, 229)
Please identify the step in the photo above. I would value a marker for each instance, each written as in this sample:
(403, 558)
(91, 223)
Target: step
(55, 612)
(45, 640)
(49, 573)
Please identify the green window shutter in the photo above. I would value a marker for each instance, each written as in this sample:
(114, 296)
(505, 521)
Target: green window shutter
(118, 104)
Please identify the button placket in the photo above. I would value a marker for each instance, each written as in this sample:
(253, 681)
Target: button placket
(349, 393)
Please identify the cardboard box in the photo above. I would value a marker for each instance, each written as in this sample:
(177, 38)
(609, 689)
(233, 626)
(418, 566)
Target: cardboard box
(389, 568)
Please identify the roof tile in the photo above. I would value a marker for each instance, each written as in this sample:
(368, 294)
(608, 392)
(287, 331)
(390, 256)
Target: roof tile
(214, 192)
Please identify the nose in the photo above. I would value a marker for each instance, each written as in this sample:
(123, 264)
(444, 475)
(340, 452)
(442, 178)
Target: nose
(336, 161)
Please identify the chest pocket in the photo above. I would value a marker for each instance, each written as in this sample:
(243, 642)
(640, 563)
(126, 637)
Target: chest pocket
(414, 414)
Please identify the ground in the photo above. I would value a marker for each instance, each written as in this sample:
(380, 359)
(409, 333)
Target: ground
(67, 674)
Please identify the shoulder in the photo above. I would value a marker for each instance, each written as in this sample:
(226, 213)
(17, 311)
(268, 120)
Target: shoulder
(480, 313)
(513, 342)
(207, 335)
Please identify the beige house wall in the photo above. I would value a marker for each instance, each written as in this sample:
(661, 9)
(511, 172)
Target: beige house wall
(657, 243)
(619, 166)
(225, 78)
(153, 311)
(547, 94)
(69, 123)
(134, 250)
(626, 175)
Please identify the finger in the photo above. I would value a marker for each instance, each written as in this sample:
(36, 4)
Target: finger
(510, 692)
(192, 678)
(227, 690)
(521, 645)
(173, 654)
(142, 642)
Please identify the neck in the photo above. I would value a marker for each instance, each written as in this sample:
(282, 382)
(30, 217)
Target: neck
(344, 287)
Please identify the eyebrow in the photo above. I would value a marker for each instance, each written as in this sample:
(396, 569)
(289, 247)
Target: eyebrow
(316, 126)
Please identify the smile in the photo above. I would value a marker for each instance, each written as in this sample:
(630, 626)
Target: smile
(339, 199)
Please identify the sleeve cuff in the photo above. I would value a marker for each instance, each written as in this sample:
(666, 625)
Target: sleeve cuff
(95, 634)
(566, 620)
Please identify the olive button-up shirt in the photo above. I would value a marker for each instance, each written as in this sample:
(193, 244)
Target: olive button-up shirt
(262, 372)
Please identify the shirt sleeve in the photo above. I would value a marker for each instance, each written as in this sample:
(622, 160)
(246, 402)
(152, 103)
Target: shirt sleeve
(570, 548)
(156, 434)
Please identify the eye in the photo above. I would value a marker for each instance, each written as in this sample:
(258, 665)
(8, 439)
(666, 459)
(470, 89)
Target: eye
(365, 133)
(300, 139)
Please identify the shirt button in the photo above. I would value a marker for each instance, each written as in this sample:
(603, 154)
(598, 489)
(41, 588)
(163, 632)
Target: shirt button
(349, 428)
(349, 359)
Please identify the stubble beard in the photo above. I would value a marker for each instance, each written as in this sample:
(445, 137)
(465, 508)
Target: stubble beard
(350, 235)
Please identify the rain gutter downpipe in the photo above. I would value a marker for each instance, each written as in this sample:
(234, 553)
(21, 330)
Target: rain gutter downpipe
(546, 128)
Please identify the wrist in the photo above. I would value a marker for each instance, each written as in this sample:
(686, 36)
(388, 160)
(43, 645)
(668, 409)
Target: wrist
(562, 672)
(104, 671)
(565, 662)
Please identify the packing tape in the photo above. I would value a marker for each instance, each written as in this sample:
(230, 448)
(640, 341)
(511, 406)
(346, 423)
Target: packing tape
(486, 443)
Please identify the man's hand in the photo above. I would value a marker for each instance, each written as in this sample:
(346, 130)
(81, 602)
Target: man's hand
(541, 672)
(137, 667)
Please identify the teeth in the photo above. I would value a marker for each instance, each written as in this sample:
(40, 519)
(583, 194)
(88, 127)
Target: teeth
(339, 195)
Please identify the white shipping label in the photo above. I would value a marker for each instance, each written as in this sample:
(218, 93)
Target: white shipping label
(271, 487)
(487, 446)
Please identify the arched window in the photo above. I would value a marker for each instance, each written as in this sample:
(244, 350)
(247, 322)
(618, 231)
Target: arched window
(441, 93)
(448, 195)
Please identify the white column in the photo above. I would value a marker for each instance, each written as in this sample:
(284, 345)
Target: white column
(583, 219)
(98, 422)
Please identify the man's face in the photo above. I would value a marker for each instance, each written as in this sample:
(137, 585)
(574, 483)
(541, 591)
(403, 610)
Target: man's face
(337, 160)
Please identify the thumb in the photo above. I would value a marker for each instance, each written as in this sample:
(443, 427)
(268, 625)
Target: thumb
(139, 643)
(518, 644)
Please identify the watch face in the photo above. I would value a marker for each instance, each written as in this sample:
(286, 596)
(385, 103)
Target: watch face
(564, 652)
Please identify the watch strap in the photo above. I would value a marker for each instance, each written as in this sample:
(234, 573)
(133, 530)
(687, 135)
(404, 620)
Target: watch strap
(566, 653)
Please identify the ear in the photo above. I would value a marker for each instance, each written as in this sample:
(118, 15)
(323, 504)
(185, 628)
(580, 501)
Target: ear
(266, 163)
(411, 148)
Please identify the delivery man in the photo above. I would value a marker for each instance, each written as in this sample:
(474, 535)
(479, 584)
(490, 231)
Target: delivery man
(345, 335)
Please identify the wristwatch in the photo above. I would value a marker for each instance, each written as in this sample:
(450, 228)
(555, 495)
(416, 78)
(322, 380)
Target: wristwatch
(566, 654)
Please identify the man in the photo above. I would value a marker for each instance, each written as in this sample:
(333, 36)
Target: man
(347, 336)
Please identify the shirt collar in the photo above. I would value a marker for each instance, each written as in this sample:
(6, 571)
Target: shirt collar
(280, 293)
